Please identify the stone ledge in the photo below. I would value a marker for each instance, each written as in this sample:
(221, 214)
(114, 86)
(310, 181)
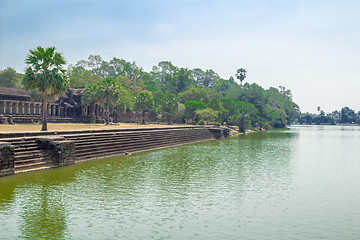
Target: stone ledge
(7, 159)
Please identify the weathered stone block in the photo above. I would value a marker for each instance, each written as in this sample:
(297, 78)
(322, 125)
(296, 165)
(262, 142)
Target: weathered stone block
(60, 152)
(7, 159)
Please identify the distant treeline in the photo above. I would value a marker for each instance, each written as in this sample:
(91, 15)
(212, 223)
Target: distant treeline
(181, 95)
(345, 116)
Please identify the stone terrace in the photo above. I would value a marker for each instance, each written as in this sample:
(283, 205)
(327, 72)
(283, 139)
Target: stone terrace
(41, 150)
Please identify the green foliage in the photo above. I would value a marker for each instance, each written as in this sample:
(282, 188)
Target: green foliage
(46, 75)
(217, 124)
(169, 107)
(207, 114)
(345, 116)
(241, 74)
(191, 106)
(144, 101)
(110, 93)
(201, 122)
(10, 78)
(80, 77)
(196, 90)
(194, 93)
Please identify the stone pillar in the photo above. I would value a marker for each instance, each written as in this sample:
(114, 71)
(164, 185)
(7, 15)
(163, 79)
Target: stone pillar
(25, 108)
(57, 110)
(28, 108)
(2, 107)
(32, 108)
(20, 108)
(16, 108)
(10, 107)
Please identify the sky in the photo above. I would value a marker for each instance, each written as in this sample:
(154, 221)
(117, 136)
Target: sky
(311, 47)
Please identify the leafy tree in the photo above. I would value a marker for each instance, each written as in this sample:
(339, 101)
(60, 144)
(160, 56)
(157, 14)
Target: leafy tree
(110, 93)
(91, 96)
(9, 78)
(207, 114)
(80, 77)
(241, 120)
(194, 93)
(169, 107)
(108, 89)
(45, 74)
(209, 80)
(144, 102)
(135, 85)
(222, 87)
(190, 108)
(163, 71)
(182, 80)
(347, 115)
(197, 75)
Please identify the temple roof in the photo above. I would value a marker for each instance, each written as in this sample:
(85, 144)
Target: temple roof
(14, 94)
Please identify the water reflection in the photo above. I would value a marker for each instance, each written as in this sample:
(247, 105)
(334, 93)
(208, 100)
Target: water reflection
(214, 189)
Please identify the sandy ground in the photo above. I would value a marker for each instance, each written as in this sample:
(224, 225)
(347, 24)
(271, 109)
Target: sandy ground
(74, 126)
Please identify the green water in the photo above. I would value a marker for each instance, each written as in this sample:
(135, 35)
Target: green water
(301, 183)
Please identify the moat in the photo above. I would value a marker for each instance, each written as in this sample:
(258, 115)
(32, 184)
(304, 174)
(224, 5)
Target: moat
(300, 183)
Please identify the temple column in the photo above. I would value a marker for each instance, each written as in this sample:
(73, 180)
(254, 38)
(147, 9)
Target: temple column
(48, 109)
(31, 105)
(10, 108)
(26, 108)
(20, 108)
(3, 107)
(16, 108)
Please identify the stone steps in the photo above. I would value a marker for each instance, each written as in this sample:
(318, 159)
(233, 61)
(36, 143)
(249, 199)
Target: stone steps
(89, 146)
(28, 156)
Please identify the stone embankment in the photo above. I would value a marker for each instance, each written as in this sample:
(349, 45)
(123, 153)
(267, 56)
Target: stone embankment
(31, 151)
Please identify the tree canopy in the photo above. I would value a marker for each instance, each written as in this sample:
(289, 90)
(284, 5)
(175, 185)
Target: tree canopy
(176, 94)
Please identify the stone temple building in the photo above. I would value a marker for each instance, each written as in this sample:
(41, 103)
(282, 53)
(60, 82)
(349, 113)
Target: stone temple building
(17, 106)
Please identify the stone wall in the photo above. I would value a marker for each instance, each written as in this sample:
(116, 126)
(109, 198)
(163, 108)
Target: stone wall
(60, 151)
(7, 159)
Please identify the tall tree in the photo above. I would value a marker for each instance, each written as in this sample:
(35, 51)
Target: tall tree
(108, 89)
(169, 107)
(45, 74)
(144, 102)
(241, 74)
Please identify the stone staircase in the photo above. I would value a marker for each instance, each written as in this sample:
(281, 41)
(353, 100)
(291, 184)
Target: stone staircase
(96, 145)
(89, 144)
(28, 155)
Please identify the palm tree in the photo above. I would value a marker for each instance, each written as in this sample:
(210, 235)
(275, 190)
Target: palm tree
(109, 91)
(46, 75)
(241, 74)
